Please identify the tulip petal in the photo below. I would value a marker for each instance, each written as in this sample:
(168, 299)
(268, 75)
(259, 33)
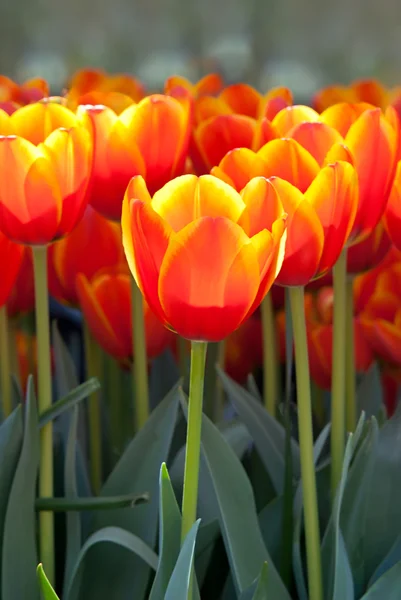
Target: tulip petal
(160, 127)
(317, 138)
(145, 238)
(30, 200)
(392, 216)
(11, 259)
(218, 135)
(285, 158)
(305, 236)
(334, 196)
(241, 165)
(35, 122)
(263, 206)
(342, 115)
(188, 198)
(242, 99)
(290, 116)
(209, 279)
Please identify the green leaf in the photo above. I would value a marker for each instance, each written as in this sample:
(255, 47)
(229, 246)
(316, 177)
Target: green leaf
(392, 558)
(270, 523)
(69, 401)
(267, 433)
(259, 589)
(11, 432)
(19, 557)
(48, 592)
(73, 521)
(181, 579)
(355, 503)
(383, 512)
(137, 470)
(337, 575)
(387, 587)
(298, 508)
(169, 535)
(117, 537)
(73, 504)
(369, 392)
(231, 491)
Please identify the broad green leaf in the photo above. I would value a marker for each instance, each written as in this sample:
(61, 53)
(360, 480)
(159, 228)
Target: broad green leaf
(259, 589)
(383, 512)
(123, 575)
(73, 521)
(337, 575)
(181, 579)
(235, 505)
(169, 536)
(19, 556)
(46, 589)
(297, 553)
(392, 558)
(271, 523)
(387, 587)
(11, 431)
(369, 392)
(267, 433)
(355, 503)
(117, 537)
(69, 401)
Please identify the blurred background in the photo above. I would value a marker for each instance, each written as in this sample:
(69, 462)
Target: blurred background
(303, 45)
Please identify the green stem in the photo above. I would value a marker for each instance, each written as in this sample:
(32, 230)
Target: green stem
(312, 535)
(338, 371)
(46, 519)
(350, 377)
(92, 503)
(92, 359)
(270, 365)
(5, 364)
(192, 454)
(140, 363)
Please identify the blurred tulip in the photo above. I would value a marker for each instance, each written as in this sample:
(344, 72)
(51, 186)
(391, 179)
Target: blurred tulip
(13, 95)
(44, 174)
(361, 90)
(106, 305)
(199, 254)
(27, 354)
(11, 259)
(149, 139)
(368, 253)
(392, 216)
(94, 86)
(94, 244)
(209, 85)
(22, 297)
(243, 350)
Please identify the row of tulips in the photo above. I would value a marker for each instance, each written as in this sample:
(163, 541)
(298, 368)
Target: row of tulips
(175, 216)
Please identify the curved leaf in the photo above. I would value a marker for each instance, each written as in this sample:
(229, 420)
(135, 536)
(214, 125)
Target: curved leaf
(48, 592)
(387, 587)
(268, 434)
(110, 535)
(182, 576)
(19, 556)
(73, 398)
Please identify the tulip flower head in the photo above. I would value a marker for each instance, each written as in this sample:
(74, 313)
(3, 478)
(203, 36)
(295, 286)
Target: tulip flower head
(45, 166)
(198, 253)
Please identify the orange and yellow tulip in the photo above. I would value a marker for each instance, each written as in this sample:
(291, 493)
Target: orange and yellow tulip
(392, 216)
(209, 85)
(94, 244)
(149, 139)
(199, 252)
(45, 166)
(361, 90)
(105, 301)
(13, 95)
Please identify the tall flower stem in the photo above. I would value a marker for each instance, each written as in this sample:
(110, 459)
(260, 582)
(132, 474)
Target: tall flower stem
(338, 370)
(192, 454)
(350, 376)
(270, 366)
(5, 364)
(92, 360)
(46, 521)
(312, 535)
(140, 364)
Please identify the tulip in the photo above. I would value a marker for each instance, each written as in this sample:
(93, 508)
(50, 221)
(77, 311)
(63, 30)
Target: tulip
(70, 256)
(22, 296)
(197, 235)
(105, 300)
(369, 90)
(148, 139)
(94, 86)
(392, 216)
(13, 95)
(209, 85)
